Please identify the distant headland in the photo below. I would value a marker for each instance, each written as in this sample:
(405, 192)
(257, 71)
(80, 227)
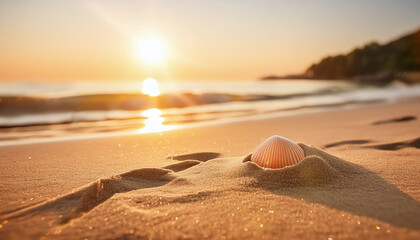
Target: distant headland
(374, 63)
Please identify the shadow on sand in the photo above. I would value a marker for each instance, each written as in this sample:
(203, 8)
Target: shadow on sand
(325, 179)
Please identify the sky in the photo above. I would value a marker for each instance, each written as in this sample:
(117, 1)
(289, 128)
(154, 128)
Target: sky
(61, 40)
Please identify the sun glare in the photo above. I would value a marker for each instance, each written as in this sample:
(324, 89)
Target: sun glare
(150, 87)
(151, 51)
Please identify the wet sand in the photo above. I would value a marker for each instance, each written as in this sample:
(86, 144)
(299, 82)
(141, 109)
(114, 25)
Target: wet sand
(360, 179)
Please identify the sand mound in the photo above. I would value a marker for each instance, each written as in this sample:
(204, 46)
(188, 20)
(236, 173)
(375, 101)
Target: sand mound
(313, 170)
(194, 199)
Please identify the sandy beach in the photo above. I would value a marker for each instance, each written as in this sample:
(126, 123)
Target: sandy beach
(143, 120)
(359, 179)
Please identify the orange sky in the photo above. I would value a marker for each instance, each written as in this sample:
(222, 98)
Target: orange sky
(96, 40)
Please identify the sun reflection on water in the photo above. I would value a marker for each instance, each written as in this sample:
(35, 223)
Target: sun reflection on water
(154, 121)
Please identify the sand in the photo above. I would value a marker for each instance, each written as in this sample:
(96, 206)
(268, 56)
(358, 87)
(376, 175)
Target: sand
(359, 179)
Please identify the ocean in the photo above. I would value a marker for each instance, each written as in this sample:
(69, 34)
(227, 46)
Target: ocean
(32, 112)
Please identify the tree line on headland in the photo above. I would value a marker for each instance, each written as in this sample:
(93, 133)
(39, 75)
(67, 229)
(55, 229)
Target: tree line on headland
(373, 63)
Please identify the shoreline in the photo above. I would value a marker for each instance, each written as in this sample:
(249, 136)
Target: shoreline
(168, 126)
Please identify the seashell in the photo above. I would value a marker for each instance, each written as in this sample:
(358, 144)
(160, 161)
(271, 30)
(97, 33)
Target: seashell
(277, 152)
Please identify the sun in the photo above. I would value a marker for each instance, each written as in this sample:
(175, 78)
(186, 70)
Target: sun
(150, 87)
(151, 50)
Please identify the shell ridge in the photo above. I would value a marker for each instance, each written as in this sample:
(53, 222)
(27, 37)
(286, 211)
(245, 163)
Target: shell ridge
(256, 154)
(281, 154)
(264, 153)
(275, 154)
(290, 156)
(271, 158)
(278, 156)
(259, 151)
(296, 153)
(293, 155)
(278, 151)
(302, 153)
(299, 152)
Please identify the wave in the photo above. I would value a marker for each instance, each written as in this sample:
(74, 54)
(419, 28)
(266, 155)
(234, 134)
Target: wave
(29, 118)
(15, 106)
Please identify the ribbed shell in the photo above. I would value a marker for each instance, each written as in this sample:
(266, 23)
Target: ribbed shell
(277, 152)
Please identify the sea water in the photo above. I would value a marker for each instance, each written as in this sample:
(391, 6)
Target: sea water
(32, 112)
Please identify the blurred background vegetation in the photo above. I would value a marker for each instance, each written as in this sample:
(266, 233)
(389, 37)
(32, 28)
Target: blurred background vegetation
(373, 61)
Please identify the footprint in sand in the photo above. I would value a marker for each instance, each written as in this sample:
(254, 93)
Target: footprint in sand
(396, 120)
(397, 145)
(387, 146)
(347, 142)
(201, 156)
(90, 196)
